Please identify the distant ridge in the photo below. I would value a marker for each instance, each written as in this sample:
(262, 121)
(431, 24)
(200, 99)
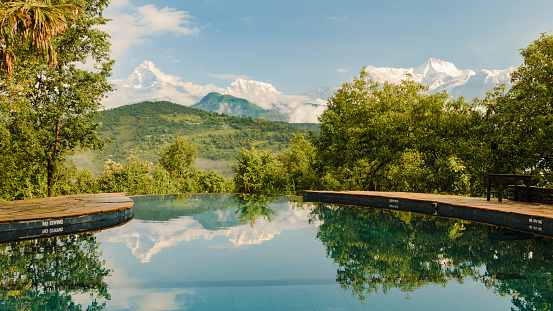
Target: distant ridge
(438, 75)
(234, 106)
(147, 82)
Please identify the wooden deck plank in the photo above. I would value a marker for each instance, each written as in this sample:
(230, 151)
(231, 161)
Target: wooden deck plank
(63, 206)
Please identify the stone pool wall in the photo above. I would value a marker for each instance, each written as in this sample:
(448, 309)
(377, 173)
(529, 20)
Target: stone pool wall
(537, 194)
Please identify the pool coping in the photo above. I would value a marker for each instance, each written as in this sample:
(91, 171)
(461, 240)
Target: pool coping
(54, 216)
(528, 217)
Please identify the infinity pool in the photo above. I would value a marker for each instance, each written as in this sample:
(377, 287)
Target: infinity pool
(226, 252)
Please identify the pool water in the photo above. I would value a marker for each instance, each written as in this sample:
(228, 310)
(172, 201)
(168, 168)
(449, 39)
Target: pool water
(227, 252)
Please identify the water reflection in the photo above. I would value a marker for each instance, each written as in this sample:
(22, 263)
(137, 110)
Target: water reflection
(163, 222)
(251, 206)
(378, 250)
(204, 252)
(43, 274)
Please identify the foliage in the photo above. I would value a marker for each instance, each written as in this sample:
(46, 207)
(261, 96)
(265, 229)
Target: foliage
(178, 158)
(131, 177)
(520, 121)
(213, 183)
(32, 23)
(71, 180)
(258, 172)
(297, 162)
(174, 174)
(395, 138)
(52, 110)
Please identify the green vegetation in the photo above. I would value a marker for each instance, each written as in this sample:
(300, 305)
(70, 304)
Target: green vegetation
(398, 138)
(519, 123)
(235, 106)
(144, 129)
(48, 105)
(32, 25)
(372, 136)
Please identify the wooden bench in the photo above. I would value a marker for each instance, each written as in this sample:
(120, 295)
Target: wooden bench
(502, 177)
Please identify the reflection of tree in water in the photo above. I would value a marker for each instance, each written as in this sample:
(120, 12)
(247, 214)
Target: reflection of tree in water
(251, 206)
(378, 250)
(43, 274)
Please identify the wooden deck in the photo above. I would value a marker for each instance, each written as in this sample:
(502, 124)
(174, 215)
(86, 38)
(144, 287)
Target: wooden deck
(530, 217)
(63, 207)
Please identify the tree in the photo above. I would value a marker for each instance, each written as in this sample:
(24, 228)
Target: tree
(298, 163)
(179, 158)
(131, 177)
(53, 109)
(372, 133)
(258, 172)
(35, 23)
(520, 121)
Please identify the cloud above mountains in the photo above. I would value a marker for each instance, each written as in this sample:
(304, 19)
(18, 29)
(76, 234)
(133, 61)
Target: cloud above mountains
(133, 26)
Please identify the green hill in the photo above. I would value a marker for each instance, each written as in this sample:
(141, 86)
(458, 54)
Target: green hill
(235, 106)
(144, 129)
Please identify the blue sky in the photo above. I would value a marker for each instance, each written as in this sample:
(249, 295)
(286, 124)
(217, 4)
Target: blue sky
(299, 44)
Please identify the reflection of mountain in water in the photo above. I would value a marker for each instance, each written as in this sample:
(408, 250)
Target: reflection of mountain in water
(165, 221)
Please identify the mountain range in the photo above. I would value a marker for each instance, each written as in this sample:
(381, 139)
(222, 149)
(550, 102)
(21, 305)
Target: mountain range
(147, 82)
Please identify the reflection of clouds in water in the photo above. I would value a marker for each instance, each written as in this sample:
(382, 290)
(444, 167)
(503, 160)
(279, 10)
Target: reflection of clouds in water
(146, 239)
(130, 293)
(145, 299)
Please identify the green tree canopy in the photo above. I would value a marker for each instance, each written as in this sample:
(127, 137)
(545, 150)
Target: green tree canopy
(179, 158)
(520, 121)
(374, 135)
(35, 24)
(52, 110)
(258, 172)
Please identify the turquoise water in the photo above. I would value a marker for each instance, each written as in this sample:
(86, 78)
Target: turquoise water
(221, 252)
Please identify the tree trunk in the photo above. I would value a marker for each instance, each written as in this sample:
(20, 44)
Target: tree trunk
(50, 169)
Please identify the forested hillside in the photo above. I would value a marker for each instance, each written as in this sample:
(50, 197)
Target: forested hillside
(144, 129)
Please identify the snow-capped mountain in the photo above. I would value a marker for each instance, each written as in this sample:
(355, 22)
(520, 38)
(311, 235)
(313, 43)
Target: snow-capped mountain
(147, 82)
(438, 75)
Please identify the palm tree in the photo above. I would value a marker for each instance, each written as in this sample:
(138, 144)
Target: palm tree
(34, 23)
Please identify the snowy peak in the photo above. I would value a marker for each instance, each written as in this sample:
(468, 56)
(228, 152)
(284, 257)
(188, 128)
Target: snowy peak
(242, 87)
(433, 72)
(147, 75)
(435, 66)
(440, 75)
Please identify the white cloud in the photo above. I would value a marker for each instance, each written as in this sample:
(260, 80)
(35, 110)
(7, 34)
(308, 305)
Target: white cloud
(230, 76)
(136, 25)
(338, 18)
(342, 70)
(118, 3)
